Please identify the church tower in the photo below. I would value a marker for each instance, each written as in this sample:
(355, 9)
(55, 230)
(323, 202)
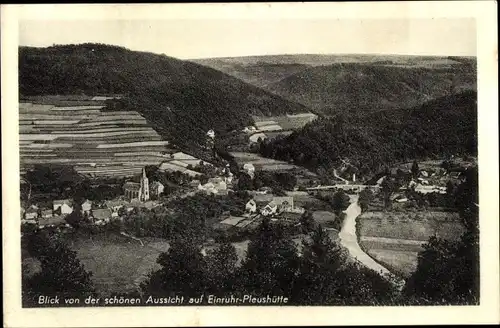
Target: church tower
(144, 193)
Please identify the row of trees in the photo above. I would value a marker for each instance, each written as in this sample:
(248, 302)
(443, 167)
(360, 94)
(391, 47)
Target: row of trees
(320, 275)
(274, 180)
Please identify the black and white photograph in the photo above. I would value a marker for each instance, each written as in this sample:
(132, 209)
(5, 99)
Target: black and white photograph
(215, 162)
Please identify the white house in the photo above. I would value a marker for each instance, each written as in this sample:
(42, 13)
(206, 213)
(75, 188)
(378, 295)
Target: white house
(249, 129)
(156, 188)
(31, 214)
(64, 205)
(214, 186)
(285, 204)
(269, 209)
(87, 206)
(251, 206)
(249, 169)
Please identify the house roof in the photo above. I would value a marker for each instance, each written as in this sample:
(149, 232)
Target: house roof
(156, 183)
(281, 200)
(135, 186)
(271, 204)
(216, 180)
(102, 213)
(113, 203)
(62, 201)
(248, 166)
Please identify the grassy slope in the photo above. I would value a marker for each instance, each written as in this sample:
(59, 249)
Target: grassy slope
(181, 99)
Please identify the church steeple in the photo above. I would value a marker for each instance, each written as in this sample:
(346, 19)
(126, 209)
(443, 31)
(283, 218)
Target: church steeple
(144, 186)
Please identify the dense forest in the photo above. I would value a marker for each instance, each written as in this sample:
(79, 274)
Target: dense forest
(441, 127)
(181, 99)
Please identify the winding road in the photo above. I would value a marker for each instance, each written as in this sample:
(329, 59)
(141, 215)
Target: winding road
(349, 240)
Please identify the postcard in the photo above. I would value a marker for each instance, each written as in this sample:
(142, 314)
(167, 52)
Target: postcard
(250, 164)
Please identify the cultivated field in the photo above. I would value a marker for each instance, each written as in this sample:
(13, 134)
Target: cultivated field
(262, 163)
(74, 130)
(274, 126)
(395, 238)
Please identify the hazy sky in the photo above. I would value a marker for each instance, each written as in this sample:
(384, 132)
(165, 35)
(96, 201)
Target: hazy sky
(202, 38)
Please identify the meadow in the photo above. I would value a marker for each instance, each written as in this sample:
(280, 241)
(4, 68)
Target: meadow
(262, 163)
(395, 238)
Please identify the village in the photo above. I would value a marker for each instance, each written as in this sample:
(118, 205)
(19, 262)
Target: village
(288, 206)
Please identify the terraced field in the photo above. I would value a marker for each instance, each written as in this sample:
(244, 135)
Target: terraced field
(60, 130)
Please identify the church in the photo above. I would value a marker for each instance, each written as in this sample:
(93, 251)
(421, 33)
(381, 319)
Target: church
(138, 191)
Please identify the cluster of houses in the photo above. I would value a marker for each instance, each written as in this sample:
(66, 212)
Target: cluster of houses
(136, 194)
(62, 208)
(276, 206)
(276, 209)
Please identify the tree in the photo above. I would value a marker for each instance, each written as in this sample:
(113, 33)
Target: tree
(448, 271)
(183, 271)
(271, 263)
(244, 182)
(340, 201)
(75, 219)
(365, 198)
(414, 169)
(307, 222)
(221, 269)
(388, 186)
(61, 272)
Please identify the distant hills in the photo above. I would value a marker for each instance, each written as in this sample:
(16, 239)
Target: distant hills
(330, 84)
(181, 99)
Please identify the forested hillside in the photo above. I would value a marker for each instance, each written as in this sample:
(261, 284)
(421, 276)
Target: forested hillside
(181, 99)
(441, 127)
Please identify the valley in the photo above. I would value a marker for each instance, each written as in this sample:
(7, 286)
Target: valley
(245, 173)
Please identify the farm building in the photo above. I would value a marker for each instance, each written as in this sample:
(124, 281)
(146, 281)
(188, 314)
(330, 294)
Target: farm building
(249, 169)
(86, 206)
(47, 213)
(101, 214)
(31, 213)
(249, 129)
(251, 206)
(269, 209)
(285, 204)
(281, 205)
(63, 206)
(115, 205)
(214, 186)
(156, 188)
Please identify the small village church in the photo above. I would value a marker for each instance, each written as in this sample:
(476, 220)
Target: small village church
(140, 191)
